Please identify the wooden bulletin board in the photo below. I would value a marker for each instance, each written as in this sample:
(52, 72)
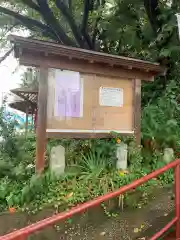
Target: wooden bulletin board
(99, 104)
(100, 77)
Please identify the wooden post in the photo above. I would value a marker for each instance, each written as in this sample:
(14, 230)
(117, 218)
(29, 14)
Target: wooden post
(137, 110)
(41, 120)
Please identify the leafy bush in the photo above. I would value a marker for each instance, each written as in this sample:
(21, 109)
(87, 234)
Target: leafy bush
(7, 134)
(160, 120)
(92, 176)
(92, 165)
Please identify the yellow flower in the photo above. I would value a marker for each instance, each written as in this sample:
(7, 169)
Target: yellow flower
(136, 230)
(118, 140)
(70, 195)
(142, 226)
(121, 173)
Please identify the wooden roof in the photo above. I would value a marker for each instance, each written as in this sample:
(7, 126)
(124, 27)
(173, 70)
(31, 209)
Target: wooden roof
(29, 99)
(27, 94)
(45, 47)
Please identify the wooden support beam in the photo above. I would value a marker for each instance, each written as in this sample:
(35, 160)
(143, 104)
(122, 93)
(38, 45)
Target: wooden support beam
(41, 120)
(137, 110)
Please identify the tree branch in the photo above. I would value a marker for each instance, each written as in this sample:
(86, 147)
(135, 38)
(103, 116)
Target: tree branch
(31, 4)
(85, 15)
(8, 30)
(102, 3)
(87, 7)
(70, 5)
(9, 52)
(50, 19)
(174, 5)
(30, 23)
(135, 17)
(152, 10)
(66, 13)
(6, 54)
(95, 32)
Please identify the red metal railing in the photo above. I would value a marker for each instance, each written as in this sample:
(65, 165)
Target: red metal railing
(23, 233)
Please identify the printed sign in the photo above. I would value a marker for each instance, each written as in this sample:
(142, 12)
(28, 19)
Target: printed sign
(111, 97)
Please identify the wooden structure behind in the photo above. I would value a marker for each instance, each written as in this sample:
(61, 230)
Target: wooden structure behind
(29, 99)
(27, 103)
(97, 70)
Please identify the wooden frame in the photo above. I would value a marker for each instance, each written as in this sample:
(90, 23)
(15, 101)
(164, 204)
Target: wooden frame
(46, 55)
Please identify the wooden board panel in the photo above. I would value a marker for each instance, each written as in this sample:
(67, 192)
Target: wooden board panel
(95, 118)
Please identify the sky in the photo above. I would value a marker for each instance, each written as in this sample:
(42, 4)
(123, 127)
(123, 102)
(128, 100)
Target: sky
(10, 70)
(10, 74)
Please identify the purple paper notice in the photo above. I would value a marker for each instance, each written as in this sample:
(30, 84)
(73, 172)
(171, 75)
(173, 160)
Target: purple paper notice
(68, 94)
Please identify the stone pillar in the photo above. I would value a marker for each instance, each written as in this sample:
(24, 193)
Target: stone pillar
(168, 155)
(121, 154)
(57, 160)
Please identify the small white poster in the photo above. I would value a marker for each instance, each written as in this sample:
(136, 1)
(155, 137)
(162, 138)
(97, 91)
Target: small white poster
(111, 97)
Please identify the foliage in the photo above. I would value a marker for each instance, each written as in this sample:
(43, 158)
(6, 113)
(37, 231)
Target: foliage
(76, 148)
(91, 176)
(120, 27)
(160, 119)
(16, 152)
(7, 133)
(93, 164)
(30, 78)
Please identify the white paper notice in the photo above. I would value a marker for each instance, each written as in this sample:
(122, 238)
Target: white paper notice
(111, 97)
(68, 94)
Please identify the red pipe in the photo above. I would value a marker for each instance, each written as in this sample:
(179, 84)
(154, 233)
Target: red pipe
(35, 119)
(164, 229)
(177, 199)
(78, 209)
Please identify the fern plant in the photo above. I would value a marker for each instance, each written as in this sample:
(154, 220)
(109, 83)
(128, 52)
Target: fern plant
(92, 165)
